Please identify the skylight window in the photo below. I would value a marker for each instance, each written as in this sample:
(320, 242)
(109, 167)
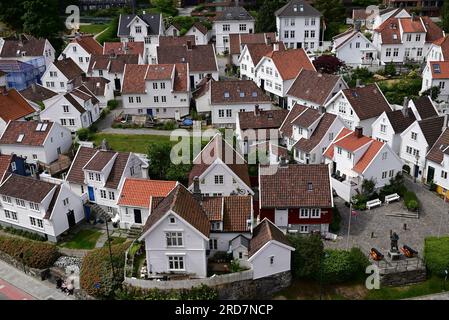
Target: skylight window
(44, 126)
(20, 138)
(395, 37)
(436, 68)
(254, 94)
(226, 94)
(39, 126)
(242, 94)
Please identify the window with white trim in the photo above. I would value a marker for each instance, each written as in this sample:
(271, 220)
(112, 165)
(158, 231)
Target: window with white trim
(383, 128)
(111, 195)
(34, 206)
(175, 263)
(384, 174)
(174, 239)
(219, 179)
(11, 215)
(213, 244)
(414, 136)
(304, 213)
(65, 201)
(6, 199)
(315, 213)
(20, 203)
(65, 108)
(35, 222)
(303, 229)
(391, 173)
(103, 194)
(443, 174)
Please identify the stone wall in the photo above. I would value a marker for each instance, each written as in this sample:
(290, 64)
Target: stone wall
(403, 278)
(235, 286)
(40, 274)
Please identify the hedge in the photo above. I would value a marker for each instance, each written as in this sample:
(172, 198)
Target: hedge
(33, 254)
(201, 292)
(96, 273)
(411, 201)
(307, 256)
(24, 233)
(342, 265)
(436, 255)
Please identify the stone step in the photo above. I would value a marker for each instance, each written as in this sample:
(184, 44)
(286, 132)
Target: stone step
(404, 215)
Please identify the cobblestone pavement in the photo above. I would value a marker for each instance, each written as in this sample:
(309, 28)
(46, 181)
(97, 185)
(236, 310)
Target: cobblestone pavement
(434, 219)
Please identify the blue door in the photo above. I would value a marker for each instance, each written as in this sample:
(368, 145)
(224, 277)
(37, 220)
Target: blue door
(149, 111)
(91, 193)
(87, 212)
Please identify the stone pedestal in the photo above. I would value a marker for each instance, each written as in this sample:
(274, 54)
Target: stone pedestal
(394, 255)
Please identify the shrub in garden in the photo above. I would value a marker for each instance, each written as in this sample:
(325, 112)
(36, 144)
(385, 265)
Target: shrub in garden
(201, 292)
(96, 273)
(84, 134)
(25, 234)
(436, 255)
(334, 226)
(112, 104)
(169, 125)
(411, 201)
(33, 254)
(306, 258)
(359, 261)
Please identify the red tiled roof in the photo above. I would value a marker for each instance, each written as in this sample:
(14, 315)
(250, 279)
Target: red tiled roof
(329, 153)
(434, 32)
(29, 46)
(444, 44)
(99, 160)
(89, 44)
(199, 57)
(288, 187)
(290, 62)
(263, 233)
(36, 190)
(237, 211)
(352, 143)
(258, 50)
(138, 192)
(412, 25)
(182, 202)
(13, 106)
(266, 119)
(213, 206)
(238, 40)
(313, 86)
(307, 145)
(368, 156)
(68, 68)
(37, 93)
(119, 48)
(201, 28)
(167, 41)
(31, 137)
(234, 89)
(443, 72)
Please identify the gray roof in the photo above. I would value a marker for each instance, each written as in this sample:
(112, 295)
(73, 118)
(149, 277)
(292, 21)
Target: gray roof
(233, 13)
(293, 9)
(152, 20)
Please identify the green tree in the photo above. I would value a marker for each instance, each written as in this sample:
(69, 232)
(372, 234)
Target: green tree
(333, 13)
(10, 13)
(306, 259)
(165, 6)
(265, 21)
(159, 159)
(432, 92)
(41, 19)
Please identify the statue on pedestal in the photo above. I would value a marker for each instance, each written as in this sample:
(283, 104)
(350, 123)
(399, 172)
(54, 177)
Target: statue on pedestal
(394, 242)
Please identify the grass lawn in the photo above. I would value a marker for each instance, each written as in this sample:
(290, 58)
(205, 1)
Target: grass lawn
(93, 28)
(115, 240)
(84, 239)
(129, 143)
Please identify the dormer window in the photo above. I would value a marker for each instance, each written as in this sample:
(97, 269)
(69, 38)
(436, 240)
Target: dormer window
(172, 220)
(20, 137)
(242, 94)
(309, 186)
(98, 177)
(226, 94)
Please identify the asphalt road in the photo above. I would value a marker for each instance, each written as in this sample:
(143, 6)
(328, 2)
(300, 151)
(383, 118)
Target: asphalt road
(10, 292)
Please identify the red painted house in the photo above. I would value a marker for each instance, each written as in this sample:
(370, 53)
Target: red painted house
(296, 197)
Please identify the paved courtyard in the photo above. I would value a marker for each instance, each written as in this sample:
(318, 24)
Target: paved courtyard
(433, 219)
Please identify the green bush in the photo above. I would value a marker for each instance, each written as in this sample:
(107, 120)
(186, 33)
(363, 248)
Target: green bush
(336, 220)
(169, 125)
(342, 265)
(359, 260)
(436, 255)
(112, 104)
(359, 201)
(306, 258)
(96, 273)
(26, 234)
(201, 292)
(84, 134)
(32, 253)
(411, 201)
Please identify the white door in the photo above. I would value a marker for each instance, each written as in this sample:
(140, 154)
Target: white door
(281, 217)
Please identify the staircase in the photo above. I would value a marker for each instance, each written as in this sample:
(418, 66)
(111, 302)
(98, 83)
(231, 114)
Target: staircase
(99, 210)
(135, 231)
(411, 215)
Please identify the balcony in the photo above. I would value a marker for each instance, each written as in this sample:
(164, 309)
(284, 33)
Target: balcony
(344, 186)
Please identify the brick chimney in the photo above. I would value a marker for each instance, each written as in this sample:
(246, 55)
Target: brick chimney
(358, 132)
(256, 110)
(196, 189)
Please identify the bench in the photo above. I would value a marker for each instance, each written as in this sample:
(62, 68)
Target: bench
(373, 203)
(392, 197)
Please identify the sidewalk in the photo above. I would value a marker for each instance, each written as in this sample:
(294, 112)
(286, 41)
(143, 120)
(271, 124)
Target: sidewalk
(41, 290)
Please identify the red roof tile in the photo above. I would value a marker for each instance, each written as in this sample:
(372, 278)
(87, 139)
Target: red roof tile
(412, 25)
(138, 192)
(89, 44)
(444, 44)
(119, 48)
(439, 69)
(290, 62)
(231, 91)
(368, 156)
(13, 106)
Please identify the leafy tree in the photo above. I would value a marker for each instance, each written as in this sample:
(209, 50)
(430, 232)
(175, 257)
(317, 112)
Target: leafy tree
(333, 13)
(165, 6)
(328, 64)
(390, 69)
(306, 259)
(406, 87)
(159, 159)
(445, 16)
(41, 19)
(368, 186)
(265, 21)
(363, 74)
(365, 3)
(10, 13)
(432, 92)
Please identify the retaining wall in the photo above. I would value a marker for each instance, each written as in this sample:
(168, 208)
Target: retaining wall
(40, 274)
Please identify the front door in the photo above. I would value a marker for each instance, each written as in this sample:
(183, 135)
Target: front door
(117, 84)
(91, 193)
(71, 218)
(150, 112)
(416, 171)
(281, 217)
(192, 82)
(262, 84)
(298, 45)
(430, 174)
(138, 216)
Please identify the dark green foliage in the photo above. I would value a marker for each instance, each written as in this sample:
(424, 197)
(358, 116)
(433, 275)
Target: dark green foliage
(184, 22)
(265, 21)
(112, 104)
(306, 258)
(363, 74)
(166, 7)
(32, 253)
(342, 265)
(202, 292)
(84, 134)
(25, 234)
(333, 13)
(405, 87)
(396, 185)
(445, 16)
(368, 186)
(359, 201)
(96, 272)
(390, 69)
(41, 18)
(436, 255)
(432, 92)
(411, 201)
(10, 13)
(336, 220)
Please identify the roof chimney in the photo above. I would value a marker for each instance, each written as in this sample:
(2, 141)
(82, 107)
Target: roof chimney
(196, 189)
(189, 45)
(276, 46)
(104, 145)
(282, 162)
(33, 87)
(268, 40)
(256, 110)
(405, 106)
(358, 132)
(358, 83)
